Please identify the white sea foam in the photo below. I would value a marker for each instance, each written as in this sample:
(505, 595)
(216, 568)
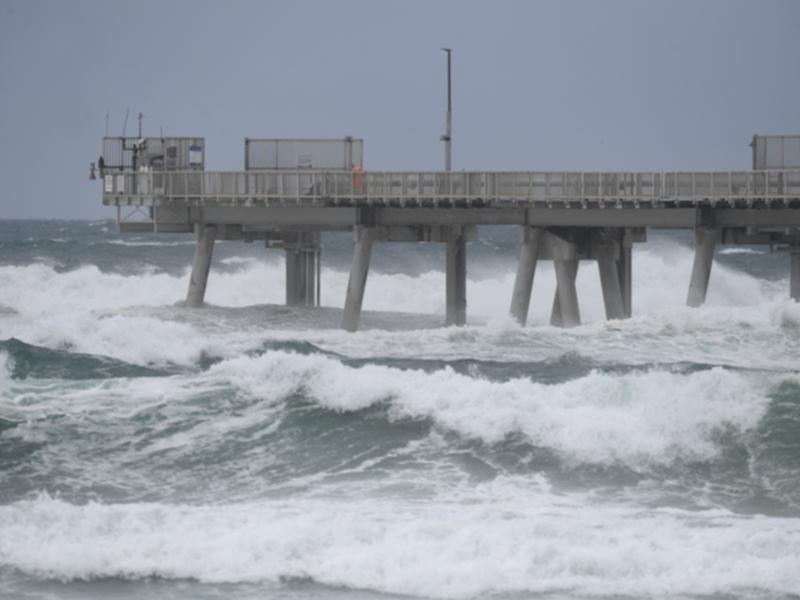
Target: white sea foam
(660, 282)
(508, 542)
(134, 244)
(737, 250)
(239, 260)
(635, 418)
(91, 311)
(639, 419)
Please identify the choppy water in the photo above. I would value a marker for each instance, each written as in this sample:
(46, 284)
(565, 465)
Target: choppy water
(249, 450)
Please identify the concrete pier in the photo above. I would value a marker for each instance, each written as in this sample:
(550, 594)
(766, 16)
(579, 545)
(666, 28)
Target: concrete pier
(565, 216)
(794, 273)
(362, 251)
(205, 236)
(705, 240)
(566, 312)
(456, 277)
(530, 240)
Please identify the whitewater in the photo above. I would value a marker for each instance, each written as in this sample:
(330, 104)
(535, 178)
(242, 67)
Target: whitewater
(251, 450)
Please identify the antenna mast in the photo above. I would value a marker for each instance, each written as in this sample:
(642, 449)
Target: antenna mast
(125, 123)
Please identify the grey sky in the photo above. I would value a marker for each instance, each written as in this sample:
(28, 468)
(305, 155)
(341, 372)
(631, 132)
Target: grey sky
(537, 85)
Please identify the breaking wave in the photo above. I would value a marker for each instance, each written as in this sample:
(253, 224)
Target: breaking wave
(499, 546)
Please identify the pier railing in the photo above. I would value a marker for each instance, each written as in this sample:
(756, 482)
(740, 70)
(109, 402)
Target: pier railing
(442, 187)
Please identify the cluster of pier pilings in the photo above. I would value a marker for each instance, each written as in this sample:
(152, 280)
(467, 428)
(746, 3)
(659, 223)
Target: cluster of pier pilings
(568, 248)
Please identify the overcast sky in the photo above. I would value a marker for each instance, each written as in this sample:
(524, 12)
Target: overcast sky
(629, 85)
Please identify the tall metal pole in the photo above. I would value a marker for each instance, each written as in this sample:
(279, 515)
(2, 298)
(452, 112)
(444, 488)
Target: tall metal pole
(456, 264)
(447, 137)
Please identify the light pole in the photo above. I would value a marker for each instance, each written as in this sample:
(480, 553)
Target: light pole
(447, 137)
(456, 265)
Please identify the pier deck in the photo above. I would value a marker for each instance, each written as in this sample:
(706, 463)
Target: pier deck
(564, 216)
(447, 189)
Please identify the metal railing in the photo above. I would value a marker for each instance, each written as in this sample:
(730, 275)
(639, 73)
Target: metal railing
(490, 187)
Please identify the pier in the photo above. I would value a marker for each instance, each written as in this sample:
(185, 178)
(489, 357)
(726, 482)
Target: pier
(292, 190)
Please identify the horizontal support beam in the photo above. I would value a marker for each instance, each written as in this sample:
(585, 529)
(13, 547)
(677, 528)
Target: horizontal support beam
(753, 217)
(449, 216)
(275, 216)
(613, 217)
(179, 218)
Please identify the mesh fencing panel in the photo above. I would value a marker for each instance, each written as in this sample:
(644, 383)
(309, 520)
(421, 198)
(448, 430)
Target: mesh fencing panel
(776, 152)
(303, 154)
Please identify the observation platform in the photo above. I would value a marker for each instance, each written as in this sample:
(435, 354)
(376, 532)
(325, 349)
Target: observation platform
(564, 216)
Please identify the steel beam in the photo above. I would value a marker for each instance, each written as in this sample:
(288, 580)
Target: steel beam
(530, 239)
(363, 237)
(705, 240)
(201, 264)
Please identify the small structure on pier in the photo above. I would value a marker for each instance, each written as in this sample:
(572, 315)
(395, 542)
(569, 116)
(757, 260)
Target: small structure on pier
(292, 190)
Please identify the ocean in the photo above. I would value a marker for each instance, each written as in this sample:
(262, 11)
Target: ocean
(250, 450)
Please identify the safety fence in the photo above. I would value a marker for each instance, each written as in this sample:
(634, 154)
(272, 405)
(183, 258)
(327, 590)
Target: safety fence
(440, 187)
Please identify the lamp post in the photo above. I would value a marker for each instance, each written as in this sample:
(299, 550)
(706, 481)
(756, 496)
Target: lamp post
(447, 137)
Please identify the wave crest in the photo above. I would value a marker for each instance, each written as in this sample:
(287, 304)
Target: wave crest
(636, 418)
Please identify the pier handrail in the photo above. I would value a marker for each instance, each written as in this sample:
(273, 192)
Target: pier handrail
(439, 187)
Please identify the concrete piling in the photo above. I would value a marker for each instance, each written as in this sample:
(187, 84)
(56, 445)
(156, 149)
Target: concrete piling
(566, 312)
(625, 272)
(456, 277)
(526, 269)
(705, 241)
(794, 273)
(205, 235)
(612, 292)
(362, 251)
(295, 277)
(302, 270)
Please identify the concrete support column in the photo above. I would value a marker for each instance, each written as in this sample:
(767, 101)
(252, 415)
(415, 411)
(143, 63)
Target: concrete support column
(526, 269)
(456, 277)
(302, 272)
(704, 241)
(295, 277)
(363, 237)
(566, 312)
(612, 292)
(205, 235)
(625, 272)
(312, 277)
(794, 273)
